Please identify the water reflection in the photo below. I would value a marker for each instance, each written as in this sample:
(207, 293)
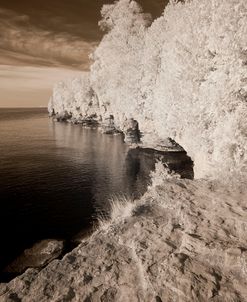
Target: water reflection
(103, 156)
(56, 177)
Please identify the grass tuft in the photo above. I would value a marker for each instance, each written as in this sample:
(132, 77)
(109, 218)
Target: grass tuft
(121, 207)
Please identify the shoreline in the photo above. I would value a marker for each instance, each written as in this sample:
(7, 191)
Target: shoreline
(16, 267)
(177, 242)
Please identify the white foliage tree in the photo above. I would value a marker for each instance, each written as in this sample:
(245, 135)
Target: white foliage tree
(117, 71)
(184, 76)
(199, 95)
(74, 97)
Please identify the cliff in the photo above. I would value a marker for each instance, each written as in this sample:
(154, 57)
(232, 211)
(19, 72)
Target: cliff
(182, 76)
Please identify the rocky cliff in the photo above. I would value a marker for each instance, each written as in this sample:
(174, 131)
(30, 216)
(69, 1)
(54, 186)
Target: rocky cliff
(182, 76)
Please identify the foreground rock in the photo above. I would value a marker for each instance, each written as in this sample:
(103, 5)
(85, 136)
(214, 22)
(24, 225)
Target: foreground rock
(183, 241)
(37, 256)
(132, 132)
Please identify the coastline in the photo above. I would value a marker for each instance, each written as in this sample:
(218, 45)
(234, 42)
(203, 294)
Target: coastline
(183, 240)
(176, 83)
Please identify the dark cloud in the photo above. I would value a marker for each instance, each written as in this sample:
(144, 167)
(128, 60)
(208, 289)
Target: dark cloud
(56, 32)
(18, 35)
(48, 36)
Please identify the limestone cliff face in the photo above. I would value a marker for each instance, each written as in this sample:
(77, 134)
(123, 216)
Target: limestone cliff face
(183, 241)
(182, 76)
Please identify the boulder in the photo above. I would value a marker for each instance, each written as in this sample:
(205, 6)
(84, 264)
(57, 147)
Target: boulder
(132, 132)
(37, 256)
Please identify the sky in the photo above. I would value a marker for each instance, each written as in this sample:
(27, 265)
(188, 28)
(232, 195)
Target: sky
(45, 41)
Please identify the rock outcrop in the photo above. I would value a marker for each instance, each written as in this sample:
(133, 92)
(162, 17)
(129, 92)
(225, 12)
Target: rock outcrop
(38, 256)
(182, 241)
(132, 132)
(182, 79)
(108, 126)
(177, 80)
(74, 100)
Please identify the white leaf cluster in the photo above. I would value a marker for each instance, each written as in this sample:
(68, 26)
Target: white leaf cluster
(117, 69)
(74, 97)
(199, 96)
(183, 76)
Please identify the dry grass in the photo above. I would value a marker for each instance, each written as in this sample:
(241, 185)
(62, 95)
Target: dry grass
(121, 208)
(161, 174)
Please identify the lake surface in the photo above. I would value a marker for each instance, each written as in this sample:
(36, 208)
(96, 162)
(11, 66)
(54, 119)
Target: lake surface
(56, 177)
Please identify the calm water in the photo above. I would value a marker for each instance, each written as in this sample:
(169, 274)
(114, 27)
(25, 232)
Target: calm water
(55, 177)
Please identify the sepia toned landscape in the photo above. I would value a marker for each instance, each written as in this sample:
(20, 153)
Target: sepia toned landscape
(131, 185)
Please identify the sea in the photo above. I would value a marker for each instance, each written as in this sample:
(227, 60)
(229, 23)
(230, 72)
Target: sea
(57, 178)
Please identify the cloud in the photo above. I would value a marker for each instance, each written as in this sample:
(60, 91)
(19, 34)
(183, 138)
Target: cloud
(41, 42)
(32, 59)
(18, 35)
(8, 57)
(29, 86)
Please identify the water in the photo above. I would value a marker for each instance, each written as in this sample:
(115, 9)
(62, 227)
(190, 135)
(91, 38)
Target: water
(56, 177)
(53, 178)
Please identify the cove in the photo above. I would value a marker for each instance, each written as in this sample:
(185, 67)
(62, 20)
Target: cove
(56, 178)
